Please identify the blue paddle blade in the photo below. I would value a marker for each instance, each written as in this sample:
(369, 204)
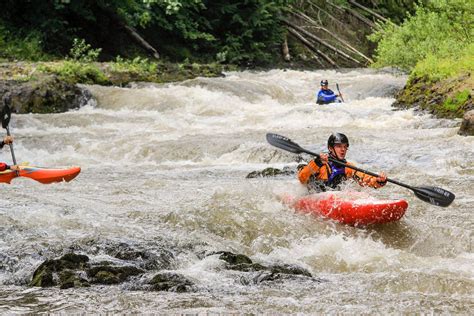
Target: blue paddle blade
(434, 195)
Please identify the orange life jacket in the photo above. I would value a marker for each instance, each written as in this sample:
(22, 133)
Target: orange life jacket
(324, 171)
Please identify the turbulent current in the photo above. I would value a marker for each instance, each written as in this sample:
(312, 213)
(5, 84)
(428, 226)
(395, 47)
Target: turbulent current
(165, 166)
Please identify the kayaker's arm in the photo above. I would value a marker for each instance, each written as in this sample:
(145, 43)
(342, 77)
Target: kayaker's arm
(367, 180)
(313, 167)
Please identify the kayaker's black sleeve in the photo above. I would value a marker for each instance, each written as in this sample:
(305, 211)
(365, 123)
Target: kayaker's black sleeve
(2, 143)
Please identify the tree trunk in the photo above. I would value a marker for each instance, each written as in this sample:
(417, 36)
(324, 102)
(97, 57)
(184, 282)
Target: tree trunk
(320, 27)
(368, 10)
(285, 50)
(131, 32)
(355, 14)
(315, 38)
(311, 47)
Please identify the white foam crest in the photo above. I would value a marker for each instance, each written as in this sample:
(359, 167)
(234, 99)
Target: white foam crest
(208, 271)
(336, 252)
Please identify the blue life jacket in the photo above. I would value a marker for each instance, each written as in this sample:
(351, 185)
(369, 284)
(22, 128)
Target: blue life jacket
(336, 176)
(326, 96)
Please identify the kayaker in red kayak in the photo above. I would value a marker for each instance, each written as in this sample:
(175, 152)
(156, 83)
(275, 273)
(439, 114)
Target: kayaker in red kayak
(321, 174)
(3, 166)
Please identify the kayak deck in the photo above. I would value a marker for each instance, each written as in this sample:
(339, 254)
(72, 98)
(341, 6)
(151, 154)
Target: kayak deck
(350, 208)
(40, 174)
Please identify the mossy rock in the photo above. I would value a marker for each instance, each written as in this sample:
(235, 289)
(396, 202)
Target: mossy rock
(70, 279)
(48, 273)
(271, 172)
(447, 98)
(232, 258)
(47, 94)
(109, 274)
(171, 282)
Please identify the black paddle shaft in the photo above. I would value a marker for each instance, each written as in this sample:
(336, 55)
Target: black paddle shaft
(340, 94)
(6, 116)
(434, 195)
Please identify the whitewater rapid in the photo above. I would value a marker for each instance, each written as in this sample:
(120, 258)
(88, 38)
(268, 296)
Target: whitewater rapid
(165, 166)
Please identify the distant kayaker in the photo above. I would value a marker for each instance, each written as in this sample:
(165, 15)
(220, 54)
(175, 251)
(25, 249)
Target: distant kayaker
(321, 174)
(326, 95)
(3, 166)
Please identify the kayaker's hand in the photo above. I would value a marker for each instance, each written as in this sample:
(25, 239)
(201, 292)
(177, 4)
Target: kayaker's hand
(382, 177)
(324, 158)
(8, 140)
(15, 168)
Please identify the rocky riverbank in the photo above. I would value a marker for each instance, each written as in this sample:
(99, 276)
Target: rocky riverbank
(448, 98)
(52, 87)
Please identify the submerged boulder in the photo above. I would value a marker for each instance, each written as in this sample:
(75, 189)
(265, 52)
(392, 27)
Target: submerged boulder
(171, 282)
(106, 273)
(271, 172)
(467, 126)
(73, 270)
(260, 273)
(53, 272)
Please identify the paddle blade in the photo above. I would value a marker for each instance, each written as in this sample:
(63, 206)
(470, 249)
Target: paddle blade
(6, 115)
(434, 195)
(283, 143)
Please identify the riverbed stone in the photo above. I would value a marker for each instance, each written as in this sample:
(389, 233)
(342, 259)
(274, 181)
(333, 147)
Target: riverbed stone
(48, 273)
(277, 273)
(158, 259)
(107, 273)
(71, 279)
(271, 172)
(171, 282)
(467, 125)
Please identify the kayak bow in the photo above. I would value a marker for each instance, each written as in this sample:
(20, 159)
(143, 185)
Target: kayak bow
(349, 208)
(40, 174)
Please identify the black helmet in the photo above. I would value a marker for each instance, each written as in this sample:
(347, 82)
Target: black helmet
(324, 82)
(337, 138)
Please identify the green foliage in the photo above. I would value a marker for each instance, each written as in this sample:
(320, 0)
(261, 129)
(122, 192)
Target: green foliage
(240, 31)
(442, 28)
(454, 104)
(76, 72)
(14, 47)
(83, 52)
(137, 65)
(437, 68)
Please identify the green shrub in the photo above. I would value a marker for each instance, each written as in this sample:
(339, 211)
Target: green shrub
(21, 48)
(137, 65)
(76, 72)
(83, 52)
(436, 68)
(454, 104)
(441, 29)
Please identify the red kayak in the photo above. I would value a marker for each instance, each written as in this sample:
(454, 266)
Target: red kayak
(40, 174)
(350, 208)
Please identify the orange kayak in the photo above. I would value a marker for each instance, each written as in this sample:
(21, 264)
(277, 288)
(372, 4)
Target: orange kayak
(350, 208)
(40, 174)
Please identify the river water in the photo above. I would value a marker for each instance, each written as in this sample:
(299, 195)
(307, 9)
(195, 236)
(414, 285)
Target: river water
(166, 165)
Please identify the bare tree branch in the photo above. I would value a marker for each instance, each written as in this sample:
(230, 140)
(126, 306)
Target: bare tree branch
(311, 47)
(315, 38)
(319, 27)
(369, 11)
